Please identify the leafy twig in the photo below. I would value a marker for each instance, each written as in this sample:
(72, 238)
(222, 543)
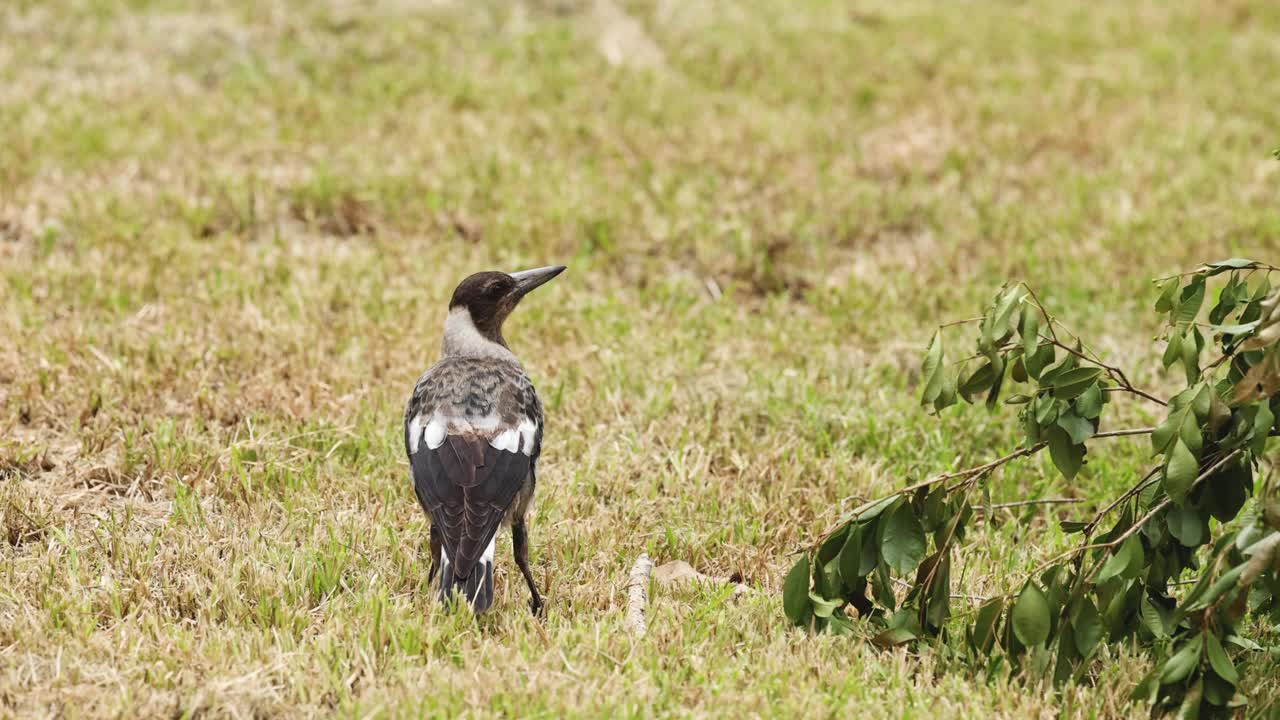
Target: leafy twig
(1142, 485)
(1141, 521)
(1203, 268)
(975, 472)
(1116, 373)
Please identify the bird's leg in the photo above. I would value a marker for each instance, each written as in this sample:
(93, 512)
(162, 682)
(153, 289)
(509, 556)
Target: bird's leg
(520, 544)
(436, 544)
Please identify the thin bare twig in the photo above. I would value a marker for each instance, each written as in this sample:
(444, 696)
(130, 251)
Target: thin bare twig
(966, 321)
(1024, 503)
(1048, 319)
(1203, 268)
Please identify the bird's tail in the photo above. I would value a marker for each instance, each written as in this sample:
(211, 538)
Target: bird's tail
(476, 588)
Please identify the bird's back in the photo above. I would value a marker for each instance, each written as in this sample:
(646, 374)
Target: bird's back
(473, 432)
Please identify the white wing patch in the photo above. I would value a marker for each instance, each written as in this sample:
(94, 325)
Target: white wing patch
(508, 440)
(528, 432)
(435, 432)
(415, 435)
(517, 439)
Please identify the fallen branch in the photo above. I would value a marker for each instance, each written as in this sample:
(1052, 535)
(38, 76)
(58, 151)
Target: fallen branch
(638, 594)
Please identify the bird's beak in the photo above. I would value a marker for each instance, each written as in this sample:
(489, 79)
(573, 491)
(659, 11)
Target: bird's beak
(527, 280)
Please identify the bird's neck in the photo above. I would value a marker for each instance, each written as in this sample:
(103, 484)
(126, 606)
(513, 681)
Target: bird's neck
(462, 338)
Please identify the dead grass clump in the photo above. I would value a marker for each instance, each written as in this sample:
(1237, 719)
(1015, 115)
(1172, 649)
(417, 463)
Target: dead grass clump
(24, 516)
(332, 212)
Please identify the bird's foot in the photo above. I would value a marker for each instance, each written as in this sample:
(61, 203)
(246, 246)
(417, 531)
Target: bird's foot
(537, 607)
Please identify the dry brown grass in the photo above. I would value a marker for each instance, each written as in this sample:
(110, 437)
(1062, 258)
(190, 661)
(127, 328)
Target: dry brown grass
(227, 235)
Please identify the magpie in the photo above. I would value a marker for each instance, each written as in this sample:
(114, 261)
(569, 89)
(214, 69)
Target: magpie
(473, 432)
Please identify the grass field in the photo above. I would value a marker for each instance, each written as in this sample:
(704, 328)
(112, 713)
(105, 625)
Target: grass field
(229, 230)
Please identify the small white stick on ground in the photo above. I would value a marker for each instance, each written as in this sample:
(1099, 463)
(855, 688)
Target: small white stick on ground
(638, 594)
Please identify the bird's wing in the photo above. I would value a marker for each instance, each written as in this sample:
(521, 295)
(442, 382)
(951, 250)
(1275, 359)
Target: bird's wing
(473, 432)
(467, 485)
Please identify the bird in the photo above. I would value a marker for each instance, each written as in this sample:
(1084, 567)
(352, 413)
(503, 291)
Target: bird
(473, 434)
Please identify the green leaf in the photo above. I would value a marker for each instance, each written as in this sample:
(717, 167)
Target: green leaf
(1162, 437)
(1179, 667)
(1197, 592)
(1046, 409)
(948, 396)
(839, 625)
(996, 326)
(1072, 526)
(1235, 329)
(1179, 472)
(979, 382)
(1172, 351)
(1087, 629)
(1122, 562)
(1229, 264)
(1190, 302)
(1122, 606)
(830, 548)
(1089, 404)
(984, 626)
(1196, 601)
(1031, 617)
(1072, 383)
(1229, 297)
(1187, 526)
(823, 607)
(1262, 423)
(893, 637)
(851, 556)
(938, 607)
(932, 371)
(1077, 427)
(872, 509)
(882, 585)
(795, 593)
(1164, 303)
(935, 508)
(1019, 369)
(993, 396)
(1231, 487)
(1219, 661)
(870, 555)
(1151, 618)
(1191, 355)
(903, 545)
(1039, 360)
(1189, 433)
(1030, 329)
(1067, 456)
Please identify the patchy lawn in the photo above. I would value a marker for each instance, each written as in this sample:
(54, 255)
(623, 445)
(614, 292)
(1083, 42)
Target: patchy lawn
(228, 232)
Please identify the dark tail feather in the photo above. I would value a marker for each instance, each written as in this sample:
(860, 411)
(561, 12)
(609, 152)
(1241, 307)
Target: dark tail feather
(477, 588)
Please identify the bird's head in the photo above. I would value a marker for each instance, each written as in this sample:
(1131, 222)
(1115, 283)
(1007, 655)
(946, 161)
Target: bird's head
(489, 297)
